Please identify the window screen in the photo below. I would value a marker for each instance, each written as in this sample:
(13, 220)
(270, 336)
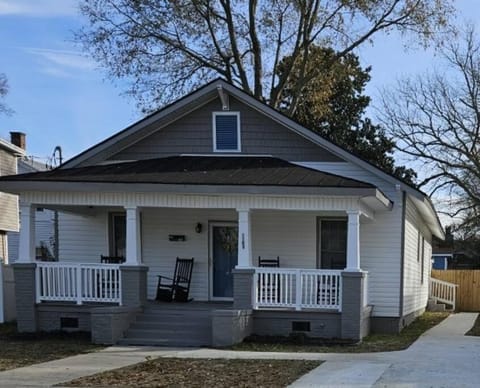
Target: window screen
(226, 132)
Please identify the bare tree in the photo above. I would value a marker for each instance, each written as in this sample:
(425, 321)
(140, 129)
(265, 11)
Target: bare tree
(166, 48)
(4, 109)
(435, 119)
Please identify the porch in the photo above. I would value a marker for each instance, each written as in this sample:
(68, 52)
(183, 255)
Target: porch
(311, 220)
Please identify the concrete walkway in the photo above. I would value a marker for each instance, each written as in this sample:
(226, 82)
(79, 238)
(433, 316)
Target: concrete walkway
(442, 357)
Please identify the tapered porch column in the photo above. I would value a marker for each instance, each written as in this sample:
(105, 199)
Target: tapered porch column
(26, 248)
(353, 241)
(244, 239)
(133, 243)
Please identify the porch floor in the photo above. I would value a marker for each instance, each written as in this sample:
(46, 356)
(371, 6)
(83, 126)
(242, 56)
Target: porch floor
(189, 306)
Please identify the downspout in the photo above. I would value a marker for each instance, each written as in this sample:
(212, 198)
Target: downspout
(55, 235)
(57, 154)
(402, 253)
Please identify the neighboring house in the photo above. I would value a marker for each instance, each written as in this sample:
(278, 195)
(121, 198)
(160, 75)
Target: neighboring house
(9, 153)
(440, 260)
(224, 178)
(19, 163)
(455, 254)
(441, 257)
(44, 221)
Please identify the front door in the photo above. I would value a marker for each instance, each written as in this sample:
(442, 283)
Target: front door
(224, 258)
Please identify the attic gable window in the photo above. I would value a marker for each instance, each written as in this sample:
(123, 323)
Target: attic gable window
(226, 132)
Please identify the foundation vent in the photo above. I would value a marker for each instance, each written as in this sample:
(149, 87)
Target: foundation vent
(301, 326)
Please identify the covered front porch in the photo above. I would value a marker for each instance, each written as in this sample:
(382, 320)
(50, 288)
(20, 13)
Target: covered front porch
(300, 285)
(225, 213)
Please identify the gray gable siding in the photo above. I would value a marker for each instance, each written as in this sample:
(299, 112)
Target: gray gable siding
(193, 134)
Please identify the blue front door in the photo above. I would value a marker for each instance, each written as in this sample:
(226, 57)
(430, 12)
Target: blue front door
(224, 259)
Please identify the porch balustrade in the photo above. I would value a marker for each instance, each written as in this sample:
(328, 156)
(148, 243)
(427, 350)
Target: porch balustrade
(297, 289)
(100, 283)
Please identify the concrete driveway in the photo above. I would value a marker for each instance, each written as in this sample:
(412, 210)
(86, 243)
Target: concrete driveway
(442, 357)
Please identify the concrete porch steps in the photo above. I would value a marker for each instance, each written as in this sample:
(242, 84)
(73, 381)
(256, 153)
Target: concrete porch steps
(437, 306)
(172, 324)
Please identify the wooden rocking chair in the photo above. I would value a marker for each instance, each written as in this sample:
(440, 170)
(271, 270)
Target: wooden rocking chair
(112, 259)
(176, 288)
(271, 263)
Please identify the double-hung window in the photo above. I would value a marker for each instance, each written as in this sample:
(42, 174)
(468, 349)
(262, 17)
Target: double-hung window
(118, 234)
(226, 132)
(332, 243)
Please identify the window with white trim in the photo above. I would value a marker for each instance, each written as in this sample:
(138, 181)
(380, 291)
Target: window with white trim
(226, 132)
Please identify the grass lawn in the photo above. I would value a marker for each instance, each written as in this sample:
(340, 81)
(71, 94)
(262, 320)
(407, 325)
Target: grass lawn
(18, 350)
(475, 330)
(172, 372)
(372, 343)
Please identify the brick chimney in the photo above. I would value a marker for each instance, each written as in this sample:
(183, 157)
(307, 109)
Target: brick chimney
(18, 139)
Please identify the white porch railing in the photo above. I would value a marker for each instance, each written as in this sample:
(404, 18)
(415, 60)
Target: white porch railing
(443, 291)
(78, 283)
(297, 288)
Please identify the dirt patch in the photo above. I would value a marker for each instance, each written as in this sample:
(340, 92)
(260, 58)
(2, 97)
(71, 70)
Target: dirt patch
(17, 350)
(372, 343)
(172, 372)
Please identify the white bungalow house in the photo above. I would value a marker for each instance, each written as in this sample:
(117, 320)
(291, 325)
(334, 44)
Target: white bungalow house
(225, 179)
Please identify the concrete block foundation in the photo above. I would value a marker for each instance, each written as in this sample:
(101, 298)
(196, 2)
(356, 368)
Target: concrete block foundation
(230, 327)
(108, 324)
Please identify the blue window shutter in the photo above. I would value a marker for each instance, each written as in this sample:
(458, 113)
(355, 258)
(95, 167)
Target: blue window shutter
(226, 132)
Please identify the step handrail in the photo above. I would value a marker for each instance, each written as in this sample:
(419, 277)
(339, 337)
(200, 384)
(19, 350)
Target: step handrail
(443, 291)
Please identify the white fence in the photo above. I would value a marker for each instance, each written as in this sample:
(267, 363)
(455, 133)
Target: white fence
(297, 288)
(78, 283)
(443, 291)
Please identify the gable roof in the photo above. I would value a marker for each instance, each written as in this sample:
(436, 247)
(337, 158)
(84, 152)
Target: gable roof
(207, 93)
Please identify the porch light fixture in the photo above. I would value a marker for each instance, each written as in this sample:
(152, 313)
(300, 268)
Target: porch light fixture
(198, 227)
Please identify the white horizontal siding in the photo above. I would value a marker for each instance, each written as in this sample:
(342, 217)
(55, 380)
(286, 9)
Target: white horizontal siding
(159, 254)
(82, 238)
(44, 234)
(289, 235)
(415, 294)
(380, 241)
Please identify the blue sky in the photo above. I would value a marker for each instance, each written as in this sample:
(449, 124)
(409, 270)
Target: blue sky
(62, 98)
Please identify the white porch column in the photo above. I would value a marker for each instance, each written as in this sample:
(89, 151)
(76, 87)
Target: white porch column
(26, 248)
(353, 241)
(244, 239)
(133, 239)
